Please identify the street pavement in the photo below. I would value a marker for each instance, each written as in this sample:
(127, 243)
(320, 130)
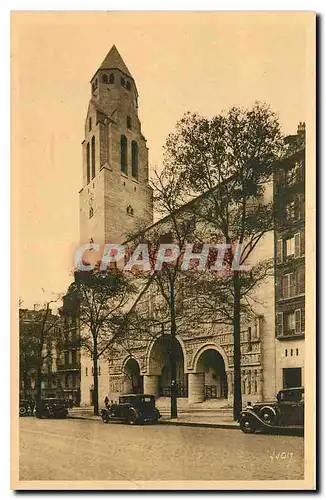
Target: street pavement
(72, 450)
(196, 418)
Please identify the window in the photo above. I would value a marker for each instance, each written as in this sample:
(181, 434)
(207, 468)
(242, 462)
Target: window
(279, 324)
(300, 280)
(291, 378)
(99, 370)
(301, 207)
(292, 284)
(111, 78)
(105, 78)
(249, 339)
(279, 250)
(302, 320)
(134, 159)
(289, 323)
(88, 161)
(93, 157)
(129, 122)
(123, 154)
(130, 210)
(128, 85)
(297, 242)
(289, 211)
(123, 83)
(286, 352)
(295, 210)
(91, 212)
(289, 247)
(166, 238)
(86, 371)
(287, 286)
(302, 242)
(90, 124)
(94, 85)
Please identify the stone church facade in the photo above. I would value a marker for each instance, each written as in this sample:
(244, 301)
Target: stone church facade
(114, 200)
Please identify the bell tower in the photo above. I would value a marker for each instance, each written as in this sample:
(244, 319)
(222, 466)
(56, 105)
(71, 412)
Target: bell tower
(116, 197)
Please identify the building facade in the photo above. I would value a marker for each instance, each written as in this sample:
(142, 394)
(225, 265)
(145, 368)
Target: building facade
(289, 192)
(32, 322)
(68, 361)
(115, 200)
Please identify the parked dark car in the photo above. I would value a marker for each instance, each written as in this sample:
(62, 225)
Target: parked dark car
(133, 409)
(24, 408)
(286, 412)
(52, 408)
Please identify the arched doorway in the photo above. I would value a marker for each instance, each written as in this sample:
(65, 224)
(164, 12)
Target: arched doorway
(132, 380)
(159, 366)
(211, 365)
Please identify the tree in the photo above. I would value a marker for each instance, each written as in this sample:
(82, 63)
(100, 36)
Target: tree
(225, 164)
(100, 301)
(166, 282)
(39, 333)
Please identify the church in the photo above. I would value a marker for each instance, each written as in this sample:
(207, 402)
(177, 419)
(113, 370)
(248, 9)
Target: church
(114, 199)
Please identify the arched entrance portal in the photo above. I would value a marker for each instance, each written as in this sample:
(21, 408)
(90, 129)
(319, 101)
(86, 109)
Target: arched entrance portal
(211, 363)
(132, 380)
(209, 379)
(159, 368)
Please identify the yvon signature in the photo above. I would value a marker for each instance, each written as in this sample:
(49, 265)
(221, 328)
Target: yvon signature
(280, 456)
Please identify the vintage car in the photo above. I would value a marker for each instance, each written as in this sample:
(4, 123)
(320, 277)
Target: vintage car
(133, 409)
(287, 412)
(24, 408)
(52, 408)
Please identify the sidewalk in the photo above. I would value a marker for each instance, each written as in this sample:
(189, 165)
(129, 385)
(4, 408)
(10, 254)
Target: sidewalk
(209, 419)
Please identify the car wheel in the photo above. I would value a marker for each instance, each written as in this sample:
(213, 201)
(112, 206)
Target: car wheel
(22, 410)
(132, 418)
(248, 425)
(268, 416)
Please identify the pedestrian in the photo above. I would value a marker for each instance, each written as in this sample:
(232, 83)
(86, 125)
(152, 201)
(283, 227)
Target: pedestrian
(32, 405)
(106, 401)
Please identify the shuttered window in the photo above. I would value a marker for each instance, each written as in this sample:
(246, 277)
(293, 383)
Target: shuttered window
(297, 245)
(279, 323)
(302, 242)
(297, 314)
(300, 288)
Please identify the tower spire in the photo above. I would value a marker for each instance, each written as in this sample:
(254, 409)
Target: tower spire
(113, 60)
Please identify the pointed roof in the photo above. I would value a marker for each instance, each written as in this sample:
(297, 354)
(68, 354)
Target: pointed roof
(114, 60)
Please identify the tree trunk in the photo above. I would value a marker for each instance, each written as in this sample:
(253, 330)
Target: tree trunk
(173, 361)
(25, 380)
(237, 396)
(95, 378)
(38, 386)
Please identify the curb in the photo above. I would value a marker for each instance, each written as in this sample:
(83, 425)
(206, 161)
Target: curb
(201, 424)
(178, 423)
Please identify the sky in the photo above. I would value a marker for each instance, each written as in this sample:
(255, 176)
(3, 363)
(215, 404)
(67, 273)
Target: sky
(197, 61)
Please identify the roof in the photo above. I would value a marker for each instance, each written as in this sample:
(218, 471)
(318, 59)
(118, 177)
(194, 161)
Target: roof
(113, 60)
